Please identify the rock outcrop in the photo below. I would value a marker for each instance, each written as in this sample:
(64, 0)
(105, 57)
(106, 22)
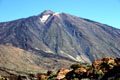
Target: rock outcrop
(62, 73)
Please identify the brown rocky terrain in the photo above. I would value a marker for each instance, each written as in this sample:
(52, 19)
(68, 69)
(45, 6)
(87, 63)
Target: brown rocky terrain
(103, 69)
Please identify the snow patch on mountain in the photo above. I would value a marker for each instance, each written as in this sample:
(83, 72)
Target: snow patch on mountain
(56, 14)
(44, 18)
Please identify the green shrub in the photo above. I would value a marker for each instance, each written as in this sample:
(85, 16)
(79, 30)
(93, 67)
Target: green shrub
(90, 66)
(49, 72)
(118, 78)
(117, 60)
(52, 76)
(100, 72)
(75, 79)
(74, 75)
(76, 65)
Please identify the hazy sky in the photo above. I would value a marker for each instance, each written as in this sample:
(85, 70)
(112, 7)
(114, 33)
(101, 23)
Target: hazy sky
(104, 11)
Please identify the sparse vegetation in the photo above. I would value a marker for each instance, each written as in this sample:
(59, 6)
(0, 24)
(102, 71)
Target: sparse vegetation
(76, 65)
(100, 69)
(52, 76)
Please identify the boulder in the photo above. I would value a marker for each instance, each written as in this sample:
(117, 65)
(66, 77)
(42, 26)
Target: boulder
(111, 61)
(89, 72)
(62, 73)
(0, 76)
(106, 59)
(42, 76)
(97, 63)
(80, 71)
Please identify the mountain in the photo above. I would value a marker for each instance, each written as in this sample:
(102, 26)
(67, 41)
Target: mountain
(60, 36)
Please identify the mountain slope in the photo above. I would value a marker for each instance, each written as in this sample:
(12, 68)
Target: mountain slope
(62, 35)
(19, 60)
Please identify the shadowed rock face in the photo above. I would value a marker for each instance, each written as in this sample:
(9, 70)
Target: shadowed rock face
(62, 35)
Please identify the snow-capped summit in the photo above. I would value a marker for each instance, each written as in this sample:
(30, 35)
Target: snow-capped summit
(46, 15)
(47, 12)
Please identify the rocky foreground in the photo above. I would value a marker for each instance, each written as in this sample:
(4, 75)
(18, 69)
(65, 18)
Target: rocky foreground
(101, 69)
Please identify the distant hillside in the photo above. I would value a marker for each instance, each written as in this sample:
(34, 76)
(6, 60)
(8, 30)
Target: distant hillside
(17, 59)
